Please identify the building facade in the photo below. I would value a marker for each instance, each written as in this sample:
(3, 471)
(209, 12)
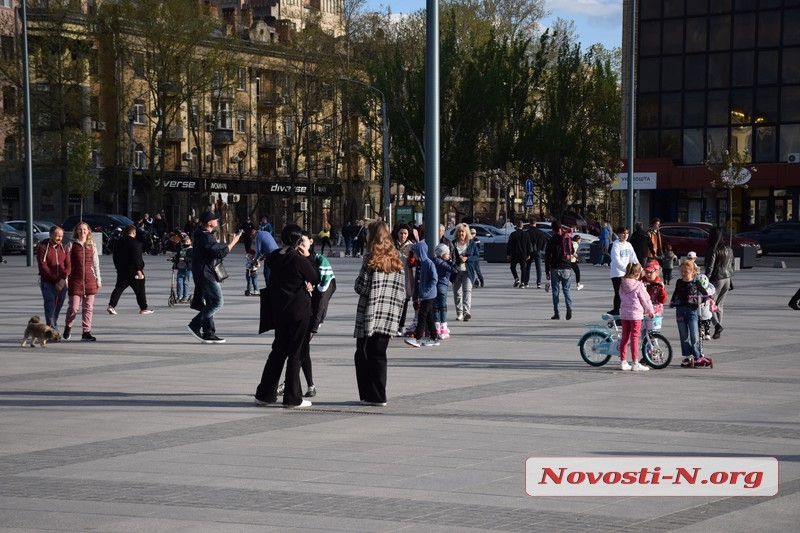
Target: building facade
(716, 75)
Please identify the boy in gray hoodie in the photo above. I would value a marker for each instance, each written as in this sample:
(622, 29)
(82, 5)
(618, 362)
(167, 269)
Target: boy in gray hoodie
(424, 294)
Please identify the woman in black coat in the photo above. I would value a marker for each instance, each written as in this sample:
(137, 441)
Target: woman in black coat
(292, 278)
(719, 269)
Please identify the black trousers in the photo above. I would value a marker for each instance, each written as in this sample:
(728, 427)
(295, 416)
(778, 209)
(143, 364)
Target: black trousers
(616, 282)
(425, 320)
(370, 360)
(287, 348)
(125, 281)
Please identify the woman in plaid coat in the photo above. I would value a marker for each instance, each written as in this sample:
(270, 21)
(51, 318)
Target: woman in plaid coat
(381, 289)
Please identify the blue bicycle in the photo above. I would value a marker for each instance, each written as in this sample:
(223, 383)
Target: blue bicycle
(602, 341)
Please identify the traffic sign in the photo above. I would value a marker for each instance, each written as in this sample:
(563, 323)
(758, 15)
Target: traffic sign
(529, 200)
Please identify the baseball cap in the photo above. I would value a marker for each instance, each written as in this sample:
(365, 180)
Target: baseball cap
(473, 231)
(208, 216)
(651, 266)
(692, 255)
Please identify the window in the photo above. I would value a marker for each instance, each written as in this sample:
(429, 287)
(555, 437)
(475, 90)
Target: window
(138, 65)
(9, 100)
(241, 79)
(5, 3)
(225, 116)
(7, 44)
(139, 159)
(139, 114)
(241, 122)
(10, 149)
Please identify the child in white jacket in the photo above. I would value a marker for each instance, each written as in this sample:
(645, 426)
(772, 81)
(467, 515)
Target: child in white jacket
(634, 304)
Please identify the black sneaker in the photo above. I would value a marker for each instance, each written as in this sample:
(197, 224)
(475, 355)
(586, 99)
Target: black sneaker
(569, 313)
(66, 335)
(195, 333)
(87, 336)
(213, 339)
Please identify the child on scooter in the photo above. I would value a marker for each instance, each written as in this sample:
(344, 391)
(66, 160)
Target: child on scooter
(688, 292)
(634, 305)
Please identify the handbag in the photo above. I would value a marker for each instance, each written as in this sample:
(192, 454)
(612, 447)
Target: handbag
(266, 321)
(218, 268)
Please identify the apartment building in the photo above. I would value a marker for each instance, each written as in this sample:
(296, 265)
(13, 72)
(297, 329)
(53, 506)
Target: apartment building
(714, 75)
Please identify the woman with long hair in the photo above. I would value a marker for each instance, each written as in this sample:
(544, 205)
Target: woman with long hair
(719, 269)
(292, 278)
(403, 240)
(381, 288)
(83, 282)
(465, 261)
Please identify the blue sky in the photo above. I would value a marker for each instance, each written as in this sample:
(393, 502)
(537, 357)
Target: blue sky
(595, 20)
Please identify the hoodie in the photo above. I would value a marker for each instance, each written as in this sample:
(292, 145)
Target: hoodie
(426, 277)
(634, 300)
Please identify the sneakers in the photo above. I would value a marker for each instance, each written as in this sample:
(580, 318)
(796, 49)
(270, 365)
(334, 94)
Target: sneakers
(413, 342)
(281, 388)
(111, 310)
(247, 293)
(445, 331)
(312, 391)
(87, 336)
(516, 283)
(260, 403)
(141, 312)
(538, 285)
(430, 342)
(547, 287)
(686, 363)
(624, 365)
(212, 339)
(460, 318)
(639, 367)
(794, 305)
(467, 316)
(523, 285)
(569, 313)
(195, 333)
(66, 335)
(304, 403)
(373, 404)
(399, 333)
(717, 332)
(580, 286)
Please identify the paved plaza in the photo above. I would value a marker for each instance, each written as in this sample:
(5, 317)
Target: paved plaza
(147, 430)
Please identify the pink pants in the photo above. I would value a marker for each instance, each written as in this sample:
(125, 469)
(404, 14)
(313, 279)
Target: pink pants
(631, 329)
(87, 309)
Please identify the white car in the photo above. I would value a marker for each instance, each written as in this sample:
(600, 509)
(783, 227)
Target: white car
(484, 233)
(41, 229)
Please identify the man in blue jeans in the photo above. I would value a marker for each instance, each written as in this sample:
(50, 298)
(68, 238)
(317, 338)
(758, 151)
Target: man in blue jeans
(557, 266)
(206, 250)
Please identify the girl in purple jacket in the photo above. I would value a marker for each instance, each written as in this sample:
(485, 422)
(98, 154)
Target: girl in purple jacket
(634, 304)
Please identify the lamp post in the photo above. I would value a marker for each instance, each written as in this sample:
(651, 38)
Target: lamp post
(131, 118)
(387, 199)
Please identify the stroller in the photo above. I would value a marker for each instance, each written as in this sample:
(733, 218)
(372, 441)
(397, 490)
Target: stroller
(705, 309)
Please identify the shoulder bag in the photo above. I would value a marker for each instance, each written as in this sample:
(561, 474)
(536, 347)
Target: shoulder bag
(218, 268)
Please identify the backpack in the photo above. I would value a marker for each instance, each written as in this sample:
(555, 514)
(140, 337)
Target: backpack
(566, 246)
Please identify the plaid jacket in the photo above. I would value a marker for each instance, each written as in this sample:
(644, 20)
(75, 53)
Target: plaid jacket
(381, 301)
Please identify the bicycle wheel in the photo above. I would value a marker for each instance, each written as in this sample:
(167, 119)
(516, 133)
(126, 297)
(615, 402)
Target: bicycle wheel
(656, 350)
(594, 348)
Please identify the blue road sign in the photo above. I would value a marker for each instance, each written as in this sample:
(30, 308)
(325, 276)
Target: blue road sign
(528, 186)
(529, 200)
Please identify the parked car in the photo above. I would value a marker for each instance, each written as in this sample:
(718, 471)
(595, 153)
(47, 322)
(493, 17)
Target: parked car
(776, 238)
(13, 240)
(107, 223)
(685, 237)
(484, 233)
(41, 229)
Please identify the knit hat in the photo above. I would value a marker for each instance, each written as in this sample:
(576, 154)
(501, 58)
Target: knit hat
(440, 250)
(691, 255)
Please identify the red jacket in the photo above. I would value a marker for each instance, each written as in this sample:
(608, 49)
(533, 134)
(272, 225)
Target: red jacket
(54, 262)
(83, 279)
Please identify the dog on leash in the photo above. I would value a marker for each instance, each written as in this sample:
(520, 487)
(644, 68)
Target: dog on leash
(42, 332)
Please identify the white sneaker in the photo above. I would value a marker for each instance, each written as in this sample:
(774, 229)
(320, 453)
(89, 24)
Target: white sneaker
(580, 286)
(304, 403)
(430, 342)
(413, 342)
(639, 367)
(460, 318)
(624, 365)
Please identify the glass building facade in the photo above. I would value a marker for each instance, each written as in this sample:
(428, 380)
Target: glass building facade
(716, 75)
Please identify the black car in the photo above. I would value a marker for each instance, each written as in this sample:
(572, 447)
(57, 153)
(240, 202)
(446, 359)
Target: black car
(776, 238)
(13, 240)
(104, 223)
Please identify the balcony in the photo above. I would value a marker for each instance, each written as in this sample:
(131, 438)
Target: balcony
(269, 101)
(220, 136)
(269, 140)
(175, 133)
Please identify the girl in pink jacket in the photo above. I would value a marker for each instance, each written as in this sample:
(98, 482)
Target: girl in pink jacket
(634, 304)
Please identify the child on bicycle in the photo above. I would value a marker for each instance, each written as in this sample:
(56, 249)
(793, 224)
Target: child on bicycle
(685, 299)
(634, 304)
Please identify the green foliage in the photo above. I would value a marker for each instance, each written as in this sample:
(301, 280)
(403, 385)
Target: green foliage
(80, 178)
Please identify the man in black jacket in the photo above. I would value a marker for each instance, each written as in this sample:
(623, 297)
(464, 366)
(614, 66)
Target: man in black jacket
(205, 251)
(642, 245)
(538, 242)
(558, 267)
(130, 271)
(518, 251)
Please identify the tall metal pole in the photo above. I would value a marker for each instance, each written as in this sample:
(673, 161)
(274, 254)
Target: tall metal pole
(631, 109)
(432, 125)
(131, 118)
(387, 198)
(26, 89)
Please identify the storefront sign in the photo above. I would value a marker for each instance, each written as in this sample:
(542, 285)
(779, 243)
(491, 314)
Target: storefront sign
(641, 180)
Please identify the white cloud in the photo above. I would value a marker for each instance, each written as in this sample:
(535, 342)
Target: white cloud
(587, 8)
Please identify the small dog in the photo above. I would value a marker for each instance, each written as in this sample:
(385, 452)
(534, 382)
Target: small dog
(37, 330)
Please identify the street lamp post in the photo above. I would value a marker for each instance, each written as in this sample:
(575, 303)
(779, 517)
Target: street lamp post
(387, 199)
(131, 118)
